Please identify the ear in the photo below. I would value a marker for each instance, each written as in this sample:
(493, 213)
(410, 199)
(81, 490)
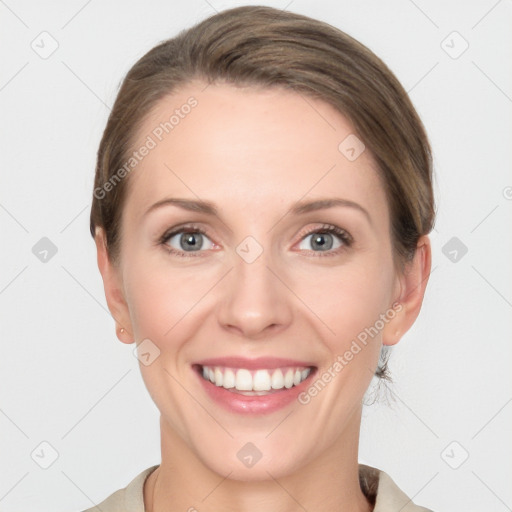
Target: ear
(114, 293)
(412, 284)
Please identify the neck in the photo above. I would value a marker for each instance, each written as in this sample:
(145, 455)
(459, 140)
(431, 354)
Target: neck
(330, 482)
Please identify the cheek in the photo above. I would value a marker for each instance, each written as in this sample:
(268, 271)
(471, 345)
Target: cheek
(348, 298)
(163, 297)
(149, 302)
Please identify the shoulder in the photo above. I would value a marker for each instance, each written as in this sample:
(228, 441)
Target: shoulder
(383, 492)
(128, 499)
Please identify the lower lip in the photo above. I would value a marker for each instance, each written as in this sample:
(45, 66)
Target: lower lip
(243, 404)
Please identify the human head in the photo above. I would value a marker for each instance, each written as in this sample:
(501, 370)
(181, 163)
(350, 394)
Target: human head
(256, 51)
(261, 46)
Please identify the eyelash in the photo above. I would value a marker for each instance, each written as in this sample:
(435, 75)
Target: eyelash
(343, 235)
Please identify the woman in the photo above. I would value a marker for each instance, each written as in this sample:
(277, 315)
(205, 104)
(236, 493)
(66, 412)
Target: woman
(261, 208)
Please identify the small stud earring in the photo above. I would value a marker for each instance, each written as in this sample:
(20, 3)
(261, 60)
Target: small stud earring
(122, 330)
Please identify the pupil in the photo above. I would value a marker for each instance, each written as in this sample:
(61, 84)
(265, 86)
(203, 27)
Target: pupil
(320, 241)
(194, 239)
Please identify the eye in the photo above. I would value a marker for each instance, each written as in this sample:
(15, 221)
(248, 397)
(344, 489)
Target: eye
(328, 238)
(193, 240)
(188, 239)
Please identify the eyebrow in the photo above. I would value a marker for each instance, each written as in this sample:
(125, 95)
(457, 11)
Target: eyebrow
(298, 208)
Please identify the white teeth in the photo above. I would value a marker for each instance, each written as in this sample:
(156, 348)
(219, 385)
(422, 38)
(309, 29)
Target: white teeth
(277, 379)
(229, 379)
(288, 379)
(218, 377)
(243, 380)
(259, 381)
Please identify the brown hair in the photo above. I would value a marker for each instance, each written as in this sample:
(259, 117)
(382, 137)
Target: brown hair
(266, 47)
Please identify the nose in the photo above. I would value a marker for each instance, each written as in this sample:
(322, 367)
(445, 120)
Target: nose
(255, 300)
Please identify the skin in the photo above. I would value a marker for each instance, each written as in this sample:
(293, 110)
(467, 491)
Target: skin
(253, 153)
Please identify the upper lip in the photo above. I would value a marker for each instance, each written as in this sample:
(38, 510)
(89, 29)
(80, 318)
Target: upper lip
(252, 364)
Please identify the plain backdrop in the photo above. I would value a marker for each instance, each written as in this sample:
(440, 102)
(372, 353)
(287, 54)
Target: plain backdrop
(71, 395)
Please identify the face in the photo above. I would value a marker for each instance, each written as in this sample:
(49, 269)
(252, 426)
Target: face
(241, 274)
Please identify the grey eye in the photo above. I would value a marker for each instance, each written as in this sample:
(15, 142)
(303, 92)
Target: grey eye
(188, 242)
(321, 242)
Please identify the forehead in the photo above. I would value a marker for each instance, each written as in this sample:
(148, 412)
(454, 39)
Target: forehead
(245, 147)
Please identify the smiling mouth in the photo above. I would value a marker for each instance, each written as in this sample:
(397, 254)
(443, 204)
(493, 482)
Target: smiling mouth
(255, 382)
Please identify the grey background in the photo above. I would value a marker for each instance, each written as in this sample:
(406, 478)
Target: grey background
(67, 382)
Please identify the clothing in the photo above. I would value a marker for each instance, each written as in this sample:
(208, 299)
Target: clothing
(376, 485)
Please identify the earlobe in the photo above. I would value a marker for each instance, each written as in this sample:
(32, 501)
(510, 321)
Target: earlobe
(412, 285)
(112, 285)
(123, 335)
